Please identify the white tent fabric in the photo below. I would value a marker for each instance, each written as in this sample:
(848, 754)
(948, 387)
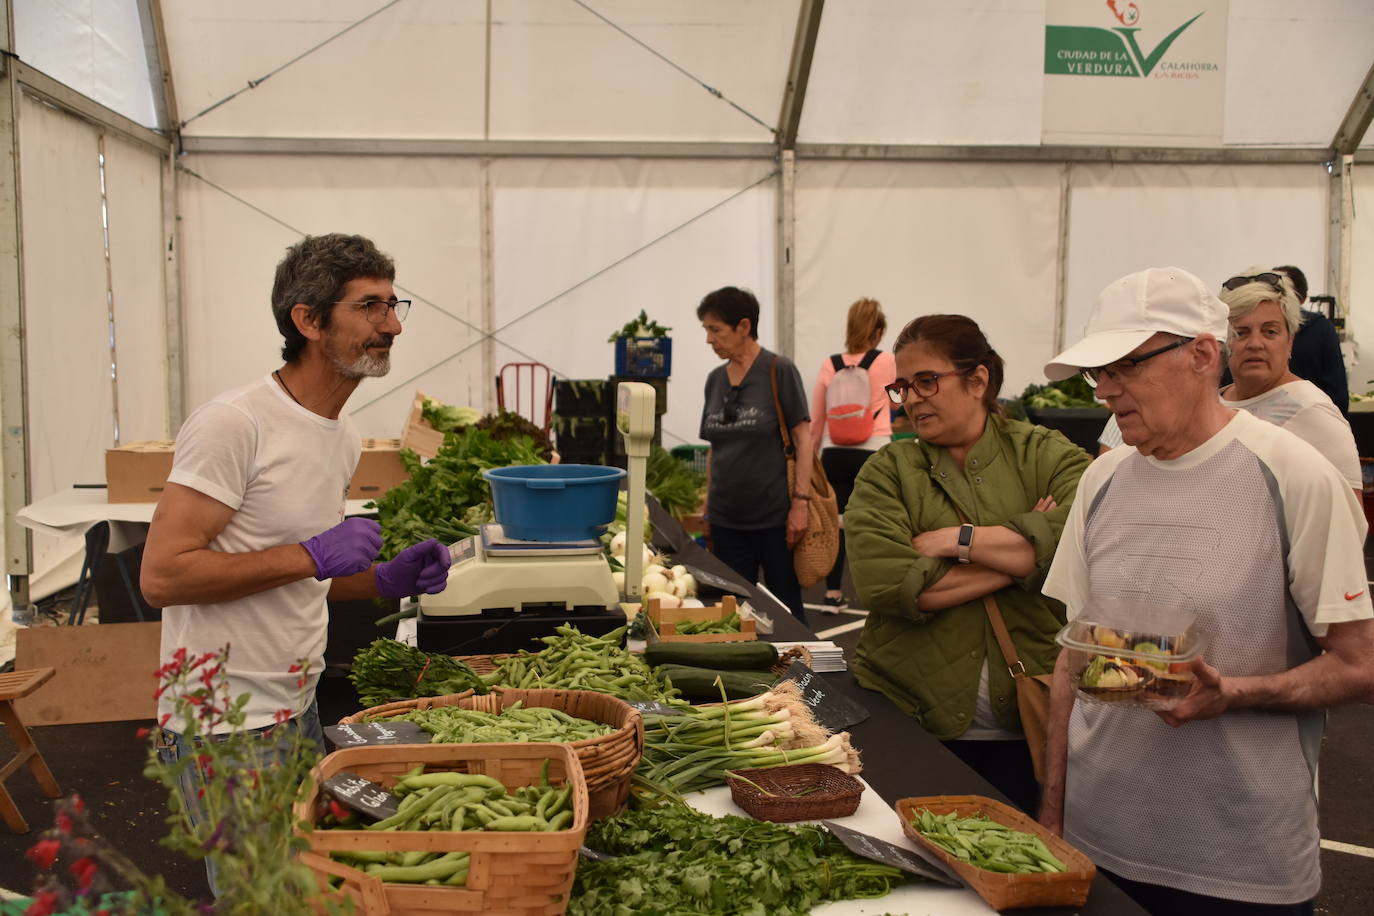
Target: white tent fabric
(94, 46)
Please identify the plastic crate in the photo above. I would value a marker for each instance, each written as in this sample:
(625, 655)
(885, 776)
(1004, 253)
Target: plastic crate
(581, 434)
(582, 397)
(644, 357)
(694, 456)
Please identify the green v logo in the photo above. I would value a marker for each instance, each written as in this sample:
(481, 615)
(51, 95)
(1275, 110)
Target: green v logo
(1146, 64)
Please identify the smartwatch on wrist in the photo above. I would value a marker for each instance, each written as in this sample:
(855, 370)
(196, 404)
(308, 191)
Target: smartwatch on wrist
(965, 541)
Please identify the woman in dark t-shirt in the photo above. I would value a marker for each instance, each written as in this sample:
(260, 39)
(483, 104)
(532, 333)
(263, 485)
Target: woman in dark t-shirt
(754, 520)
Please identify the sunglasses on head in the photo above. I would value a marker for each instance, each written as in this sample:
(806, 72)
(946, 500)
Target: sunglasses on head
(1269, 277)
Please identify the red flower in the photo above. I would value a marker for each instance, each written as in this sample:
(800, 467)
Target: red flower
(339, 811)
(143, 733)
(43, 853)
(293, 669)
(64, 822)
(282, 715)
(179, 655)
(44, 904)
(78, 805)
(167, 717)
(83, 870)
(300, 681)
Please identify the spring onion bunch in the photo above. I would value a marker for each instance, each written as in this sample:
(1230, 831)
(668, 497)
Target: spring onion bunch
(693, 751)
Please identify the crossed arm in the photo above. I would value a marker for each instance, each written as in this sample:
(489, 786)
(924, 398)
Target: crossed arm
(997, 556)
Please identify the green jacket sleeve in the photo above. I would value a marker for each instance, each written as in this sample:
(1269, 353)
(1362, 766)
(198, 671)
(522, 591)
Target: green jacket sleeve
(888, 572)
(1058, 464)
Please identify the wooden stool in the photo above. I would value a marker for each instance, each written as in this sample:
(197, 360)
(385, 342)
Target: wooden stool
(14, 686)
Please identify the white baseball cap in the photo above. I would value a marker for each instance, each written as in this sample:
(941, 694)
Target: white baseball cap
(1139, 305)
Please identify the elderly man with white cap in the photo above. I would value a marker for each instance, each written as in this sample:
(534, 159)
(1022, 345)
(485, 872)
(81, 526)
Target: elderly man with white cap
(1209, 807)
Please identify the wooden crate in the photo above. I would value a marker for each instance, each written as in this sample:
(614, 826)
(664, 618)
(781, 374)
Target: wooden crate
(418, 436)
(663, 622)
(515, 874)
(1004, 891)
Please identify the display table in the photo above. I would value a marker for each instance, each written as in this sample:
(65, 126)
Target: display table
(900, 759)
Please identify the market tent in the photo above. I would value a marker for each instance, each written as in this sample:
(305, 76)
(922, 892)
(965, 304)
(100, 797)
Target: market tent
(543, 169)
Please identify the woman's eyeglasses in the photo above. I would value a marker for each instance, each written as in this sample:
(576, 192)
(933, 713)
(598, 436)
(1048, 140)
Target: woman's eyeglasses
(926, 384)
(1268, 277)
(1127, 366)
(730, 413)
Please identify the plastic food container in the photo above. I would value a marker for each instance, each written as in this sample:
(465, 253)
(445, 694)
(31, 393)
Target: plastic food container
(554, 502)
(1119, 664)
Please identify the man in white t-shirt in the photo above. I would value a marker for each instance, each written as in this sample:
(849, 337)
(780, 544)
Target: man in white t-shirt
(249, 539)
(1209, 807)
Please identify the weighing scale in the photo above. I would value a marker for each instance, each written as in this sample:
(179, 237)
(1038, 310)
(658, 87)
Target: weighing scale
(504, 592)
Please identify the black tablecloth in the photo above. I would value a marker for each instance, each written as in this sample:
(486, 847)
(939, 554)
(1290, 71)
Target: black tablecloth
(900, 758)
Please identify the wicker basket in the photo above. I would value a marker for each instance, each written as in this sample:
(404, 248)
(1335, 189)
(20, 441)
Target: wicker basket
(607, 761)
(836, 794)
(517, 874)
(1003, 891)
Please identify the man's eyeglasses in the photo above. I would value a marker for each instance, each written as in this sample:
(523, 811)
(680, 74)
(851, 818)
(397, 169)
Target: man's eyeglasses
(376, 309)
(730, 413)
(1268, 277)
(1128, 366)
(926, 384)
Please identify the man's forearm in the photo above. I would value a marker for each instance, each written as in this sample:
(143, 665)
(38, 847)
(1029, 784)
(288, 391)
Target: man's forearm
(1327, 680)
(206, 576)
(961, 585)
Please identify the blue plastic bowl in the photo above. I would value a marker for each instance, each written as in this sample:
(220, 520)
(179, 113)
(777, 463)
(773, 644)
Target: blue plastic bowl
(554, 502)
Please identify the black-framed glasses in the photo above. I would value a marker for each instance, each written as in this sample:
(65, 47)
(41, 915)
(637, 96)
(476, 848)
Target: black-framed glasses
(730, 412)
(1128, 366)
(376, 309)
(1269, 277)
(926, 384)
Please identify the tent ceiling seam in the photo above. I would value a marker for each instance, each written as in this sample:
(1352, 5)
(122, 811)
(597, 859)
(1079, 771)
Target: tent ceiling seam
(670, 62)
(580, 283)
(253, 84)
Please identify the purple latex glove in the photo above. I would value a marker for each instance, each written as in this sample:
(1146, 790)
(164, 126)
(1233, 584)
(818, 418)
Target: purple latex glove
(420, 569)
(347, 548)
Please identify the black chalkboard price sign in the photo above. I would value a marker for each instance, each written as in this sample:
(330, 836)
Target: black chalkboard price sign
(362, 795)
(711, 580)
(358, 734)
(832, 709)
(917, 863)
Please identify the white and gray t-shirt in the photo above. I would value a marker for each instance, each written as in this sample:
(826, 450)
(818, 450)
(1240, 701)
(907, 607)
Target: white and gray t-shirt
(285, 472)
(1249, 531)
(1305, 411)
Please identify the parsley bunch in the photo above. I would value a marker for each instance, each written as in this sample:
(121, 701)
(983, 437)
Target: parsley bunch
(673, 860)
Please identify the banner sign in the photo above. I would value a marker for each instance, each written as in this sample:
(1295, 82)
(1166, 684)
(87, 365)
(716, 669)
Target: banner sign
(1134, 72)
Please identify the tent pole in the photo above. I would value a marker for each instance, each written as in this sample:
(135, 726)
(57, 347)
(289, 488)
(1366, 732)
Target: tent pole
(786, 315)
(169, 122)
(1341, 200)
(14, 415)
(1061, 258)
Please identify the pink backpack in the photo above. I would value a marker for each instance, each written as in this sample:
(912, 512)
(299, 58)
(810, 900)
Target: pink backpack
(848, 417)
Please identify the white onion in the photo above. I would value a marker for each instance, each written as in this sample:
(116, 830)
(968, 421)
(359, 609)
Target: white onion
(665, 599)
(655, 581)
(618, 577)
(618, 546)
(688, 583)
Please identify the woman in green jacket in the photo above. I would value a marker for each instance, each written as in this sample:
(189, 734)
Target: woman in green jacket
(927, 644)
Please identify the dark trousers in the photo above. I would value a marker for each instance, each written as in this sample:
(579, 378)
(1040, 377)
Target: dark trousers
(748, 551)
(841, 467)
(1005, 764)
(1168, 901)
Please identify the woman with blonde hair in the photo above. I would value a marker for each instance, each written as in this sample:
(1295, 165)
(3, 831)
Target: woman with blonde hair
(860, 426)
(1264, 318)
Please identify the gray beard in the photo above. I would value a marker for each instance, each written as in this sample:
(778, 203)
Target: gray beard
(364, 366)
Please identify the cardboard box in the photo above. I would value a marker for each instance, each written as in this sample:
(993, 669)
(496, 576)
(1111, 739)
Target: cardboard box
(137, 472)
(104, 672)
(379, 469)
(663, 622)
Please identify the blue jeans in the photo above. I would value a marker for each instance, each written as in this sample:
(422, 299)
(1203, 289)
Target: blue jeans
(172, 746)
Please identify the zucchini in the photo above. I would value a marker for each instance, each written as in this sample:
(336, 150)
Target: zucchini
(746, 655)
(701, 682)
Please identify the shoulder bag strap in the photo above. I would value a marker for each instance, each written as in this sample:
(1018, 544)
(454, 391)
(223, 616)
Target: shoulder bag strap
(999, 627)
(777, 407)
